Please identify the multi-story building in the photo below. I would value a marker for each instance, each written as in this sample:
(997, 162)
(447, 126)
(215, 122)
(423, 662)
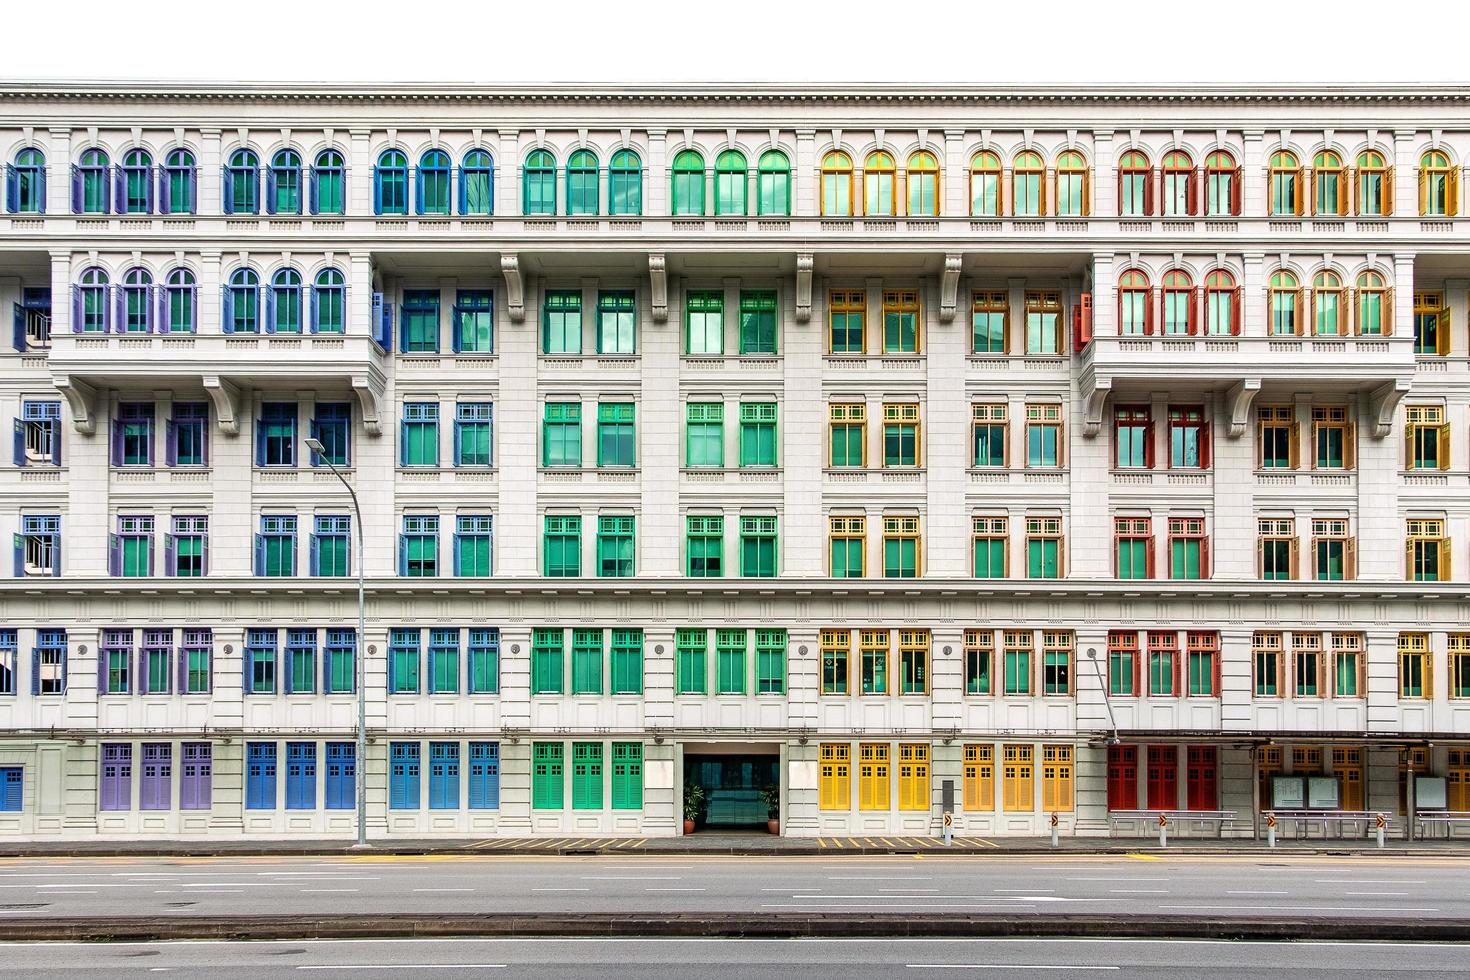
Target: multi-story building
(1085, 450)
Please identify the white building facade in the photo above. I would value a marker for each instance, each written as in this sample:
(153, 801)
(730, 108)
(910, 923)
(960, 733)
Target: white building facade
(1047, 451)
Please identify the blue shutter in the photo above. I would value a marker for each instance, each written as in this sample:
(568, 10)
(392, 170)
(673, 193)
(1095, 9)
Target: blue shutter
(41, 188)
(12, 189)
(114, 556)
(55, 426)
(312, 193)
(260, 441)
(20, 443)
(316, 566)
(227, 325)
(402, 554)
(454, 330)
(270, 309)
(11, 798)
(313, 324)
(463, 197)
(20, 555)
(229, 195)
(418, 189)
(377, 190)
(259, 554)
(18, 338)
(76, 189)
(270, 190)
(245, 660)
(56, 550)
(35, 671)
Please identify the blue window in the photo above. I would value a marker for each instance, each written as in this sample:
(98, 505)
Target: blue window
(91, 191)
(38, 434)
(188, 434)
(339, 662)
(482, 657)
(472, 433)
(91, 312)
(418, 546)
(331, 546)
(260, 662)
(403, 776)
(242, 303)
(283, 183)
(332, 425)
(390, 183)
(283, 303)
(301, 661)
(275, 546)
(433, 185)
(11, 786)
(179, 303)
(474, 322)
(472, 545)
(539, 183)
(420, 321)
(403, 661)
(135, 183)
(300, 775)
(31, 321)
(341, 779)
(9, 661)
(329, 184)
(419, 445)
(178, 186)
(242, 183)
(38, 546)
(25, 183)
(477, 183)
(444, 661)
(484, 775)
(48, 663)
(443, 775)
(260, 775)
(275, 434)
(329, 302)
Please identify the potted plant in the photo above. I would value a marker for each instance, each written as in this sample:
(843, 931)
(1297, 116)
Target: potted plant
(693, 803)
(771, 797)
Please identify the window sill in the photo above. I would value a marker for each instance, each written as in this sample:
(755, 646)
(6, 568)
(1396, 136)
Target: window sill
(717, 360)
(436, 470)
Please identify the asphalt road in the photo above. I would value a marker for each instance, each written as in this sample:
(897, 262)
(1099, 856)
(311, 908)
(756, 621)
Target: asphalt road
(1119, 885)
(740, 959)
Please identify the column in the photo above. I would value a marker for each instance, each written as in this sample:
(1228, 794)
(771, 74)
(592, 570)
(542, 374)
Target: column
(663, 790)
(58, 193)
(944, 442)
(804, 173)
(956, 174)
(656, 176)
(1235, 680)
(360, 171)
(515, 787)
(508, 175)
(1253, 171)
(1405, 175)
(803, 675)
(1253, 294)
(61, 303)
(947, 675)
(1232, 536)
(515, 675)
(1104, 177)
(800, 800)
(211, 173)
(658, 676)
(1381, 647)
(659, 417)
(803, 428)
(518, 524)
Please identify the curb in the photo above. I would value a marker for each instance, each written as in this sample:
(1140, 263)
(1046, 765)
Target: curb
(733, 925)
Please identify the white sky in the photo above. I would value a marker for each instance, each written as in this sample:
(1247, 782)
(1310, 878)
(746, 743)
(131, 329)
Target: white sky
(980, 41)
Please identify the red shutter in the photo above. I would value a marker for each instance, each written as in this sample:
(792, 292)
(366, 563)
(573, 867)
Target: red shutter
(1148, 443)
(1178, 657)
(1150, 298)
(1163, 777)
(1235, 311)
(1122, 777)
(1201, 790)
(1196, 309)
(1204, 444)
(1204, 557)
(1235, 182)
(1192, 195)
(1149, 179)
(1148, 558)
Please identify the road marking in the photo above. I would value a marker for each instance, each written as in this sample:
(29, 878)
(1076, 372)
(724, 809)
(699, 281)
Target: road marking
(1138, 891)
(1026, 891)
(674, 889)
(560, 889)
(1118, 879)
(312, 891)
(1256, 893)
(631, 877)
(1363, 881)
(879, 878)
(443, 889)
(1299, 908)
(809, 906)
(1006, 966)
(407, 966)
(1377, 894)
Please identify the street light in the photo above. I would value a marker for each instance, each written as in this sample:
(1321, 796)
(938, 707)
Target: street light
(315, 445)
(1103, 685)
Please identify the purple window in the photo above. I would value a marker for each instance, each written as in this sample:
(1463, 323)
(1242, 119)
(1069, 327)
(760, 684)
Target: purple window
(117, 776)
(195, 777)
(156, 780)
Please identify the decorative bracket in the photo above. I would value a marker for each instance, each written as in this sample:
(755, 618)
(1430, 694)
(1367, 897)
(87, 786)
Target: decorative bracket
(369, 396)
(949, 285)
(658, 281)
(226, 396)
(1239, 399)
(1092, 409)
(515, 288)
(804, 264)
(1383, 402)
(81, 398)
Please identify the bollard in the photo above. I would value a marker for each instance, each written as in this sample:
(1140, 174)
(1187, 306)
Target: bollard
(1382, 824)
(1055, 842)
(1163, 831)
(1271, 835)
(948, 828)
(1380, 837)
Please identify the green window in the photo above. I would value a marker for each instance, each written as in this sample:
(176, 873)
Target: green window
(848, 426)
(547, 782)
(1184, 561)
(420, 430)
(758, 322)
(418, 546)
(757, 433)
(691, 646)
(625, 662)
(627, 775)
(546, 661)
(539, 183)
(706, 546)
(625, 183)
(483, 654)
(582, 183)
(1018, 671)
(1122, 668)
(615, 434)
(704, 322)
(900, 323)
(688, 178)
(758, 546)
(1043, 557)
(874, 661)
(615, 546)
(990, 558)
(730, 661)
(730, 183)
(900, 435)
(1202, 674)
(472, 433)
(773, 184)
(561, 322)
(472, 538)
(403, 661)
(1132, 558)
(420, 320)
(770, 661)
(563, 545)
(474, 321)
(1160, 672)
(617, 324)
(704, 434)
(444, 661)
(587, 661)
(900, 547)
(561, 442)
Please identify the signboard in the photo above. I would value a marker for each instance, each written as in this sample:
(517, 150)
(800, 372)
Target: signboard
(1288, 792)
(948, 819)
(1429, 793)
(946, 795)
(1323, 793)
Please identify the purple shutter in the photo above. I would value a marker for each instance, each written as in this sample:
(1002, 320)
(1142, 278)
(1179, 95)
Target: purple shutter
(150, 555)
(270, 309)
(171, 442)
(20, 443)
(170, 556)
(117, 442)
(165, 191)
(76, 189)
(193, 191)
(35, 671)
(183, 688)
(119, 308)
(76, 309)
(227, 324)
(56, 551)
(313, 322)
(140, 675)
(204, 555)
(152, 432)
(312, 194)
(204, 439)
(101, 671)
(114, 556)
(56, 430)
(270, 190)
(120, 194)
(161, 324)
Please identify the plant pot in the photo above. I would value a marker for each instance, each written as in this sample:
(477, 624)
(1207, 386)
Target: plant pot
(774, 826)
(688, 826)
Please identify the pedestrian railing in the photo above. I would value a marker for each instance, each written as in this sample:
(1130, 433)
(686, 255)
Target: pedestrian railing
(1428, 823)
(1144, 822)
(1345, 823)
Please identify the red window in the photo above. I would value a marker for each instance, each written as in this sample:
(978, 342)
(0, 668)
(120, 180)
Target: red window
(1163, 664)
(1163, 777)
(1201, 791)
(1189, 438)
(1178, 306)
(1222, 304)
(1204, 665)
(1133, 437)
(1122, 777)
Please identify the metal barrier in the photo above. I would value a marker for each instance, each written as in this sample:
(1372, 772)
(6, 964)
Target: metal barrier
(1360, 822)
(1427, 821)
(1174, 820)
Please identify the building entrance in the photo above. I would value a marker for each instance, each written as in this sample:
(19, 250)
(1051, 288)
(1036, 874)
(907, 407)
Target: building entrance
(732, 787)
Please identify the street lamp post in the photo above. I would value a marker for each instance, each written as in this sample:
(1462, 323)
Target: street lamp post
(1103, 686)
(315, 445)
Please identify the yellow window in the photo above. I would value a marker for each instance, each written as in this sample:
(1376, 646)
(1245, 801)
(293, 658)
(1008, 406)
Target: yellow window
(836, 781)
(1306, 760)
(1415, 666)
(979, 777)
(835, 647)
(873, 792)
(1056, 778)
(1268, 765)
(1347, 764)
(1017, 778)
(1416, 760)
(913, 777)
(1457, 780)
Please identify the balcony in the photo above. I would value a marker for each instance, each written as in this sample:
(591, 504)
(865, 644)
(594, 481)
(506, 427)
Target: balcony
(226, 366)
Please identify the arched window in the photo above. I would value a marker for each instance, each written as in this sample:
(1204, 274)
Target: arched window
(25, 184)
(985, 185)
(477, 183)
(625, 183)
(1327, 305)
(538, 183)
(1285, 183)
(179, 188)
(879, 175)
(242, 183)
(136, 307)
(1284, 304)
(390, 183)
(432, 190)
(283, 305)
(582, 182)
(242, 302)
(1135, 190)
(1374, 307)
(688, 183)
(923, 184)
(179, 302)
(1329, 183)
(1177, 181)
(89, 190)
(329, 183)
(1222, 185)
(1072, 190)
(773, 184)
(283, 183)
(329, 302)
(1222, 304)
(1177, 302)
(1373, 186)
(135, 183)
(730, 183)
(837, 184)
(1028, 185)
(1438, 184)
(89, 308)
(1135, 312)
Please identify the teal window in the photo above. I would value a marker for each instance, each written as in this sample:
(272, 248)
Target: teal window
(242, 183)
(758, 321)
(625, 183)
(900, 547)
(625, 662)
(482, 652)
(1132, 558)
(90, 184)
(704, 322)
(690, 668)
(1122, 663)
(332, 425)
(730, 183)
(730, 659)
(900, 435)
(474, 321)
(773, 184)
(586, 775)
(688, 179)
(329, 183)
(990, 547)
(331, 548)
(561, 322)
(1043, 436)
(275, 546)
(847, 424)
(706, 546)
(900, 321)
(390, 183)
(300, 661)
(547, 647)
(137, 301)
(472, 421)
(757, 434)
(91, 302)
(848, 540)
(26, 190)
(472, 545)
(477, 183)
(275, 440)
(587, 661)
(990, 423)
(179, 302)
(563, 546)
(420, 314)
(420, 434)
(133, 434)
(187, 558)
(329, 302)
(538, 178)
(403, 661)
(1186, 548)
(627, 775)
(1043, 547)
(615, 546)
(988, 315)
(561, 442)
(132, 547)
(178, 184)
(582, 183)
(705, 434)
(758, 546)
(260, 661)
(433, 183)
(1017, 669)
(136, 184)
(283, 183)
(617, 326)
(615, 435)
(283, 303)
(418, 546)
(770, 661)
(548, 782)
(242, 302)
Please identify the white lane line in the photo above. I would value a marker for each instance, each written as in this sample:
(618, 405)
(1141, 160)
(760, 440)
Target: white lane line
(811, 906)
(1007, 966)
(1025, 891)
(221, 891)
(1138, 891)
(228, 884)
(1377, 894)
(75, 893)
(560, 889)
(443, 889)
(314, 891)
(631, 877)
(794, 888)
(910, 891)
(879, 878)
(96, 884)
(1364, 881)
(1255, 893)
(665, 889)
(408, 966)
(1129, 878)
(1300, 908)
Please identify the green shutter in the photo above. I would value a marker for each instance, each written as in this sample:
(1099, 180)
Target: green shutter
(586, 775)
(692, 645)
(546, 661)
(627, 775)
(627, 662)
(587, 661)
(547, 784)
